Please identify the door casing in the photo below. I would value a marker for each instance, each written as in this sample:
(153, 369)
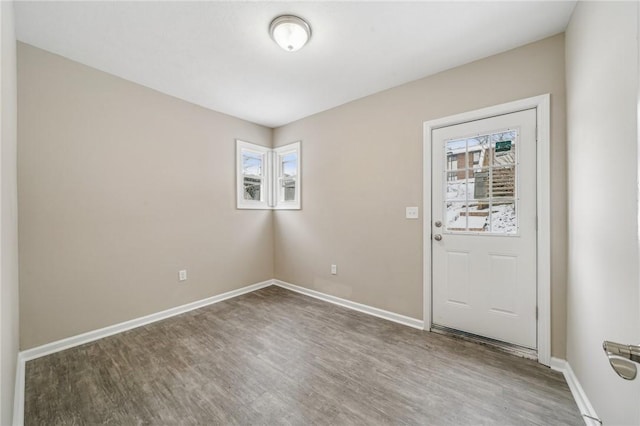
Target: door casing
(543, 206)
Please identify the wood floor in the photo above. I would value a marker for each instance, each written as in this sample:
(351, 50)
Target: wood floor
(276, 357)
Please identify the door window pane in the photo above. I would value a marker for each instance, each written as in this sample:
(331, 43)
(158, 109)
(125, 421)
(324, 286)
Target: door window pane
(456, 152)
(503, 218)
(457, 190)
(478, 148)
(481, 183)
(478, 217)
(456, 215)
(503, 146)
(504, 182)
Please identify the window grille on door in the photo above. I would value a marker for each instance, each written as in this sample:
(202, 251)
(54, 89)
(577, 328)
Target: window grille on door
(481, 184)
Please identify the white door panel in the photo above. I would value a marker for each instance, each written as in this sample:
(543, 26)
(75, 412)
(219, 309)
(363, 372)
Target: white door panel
(484, 208)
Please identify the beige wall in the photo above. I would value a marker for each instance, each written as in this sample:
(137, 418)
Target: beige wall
(9, 321)
(603, 295)
(119, 188)
(362, 165)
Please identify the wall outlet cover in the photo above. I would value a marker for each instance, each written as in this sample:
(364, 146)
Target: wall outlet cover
(412, 213)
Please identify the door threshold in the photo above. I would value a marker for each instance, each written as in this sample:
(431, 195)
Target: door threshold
(509, 348)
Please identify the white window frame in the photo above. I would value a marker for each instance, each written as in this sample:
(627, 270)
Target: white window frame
(278, 154)
(264, 202)
(271, 176)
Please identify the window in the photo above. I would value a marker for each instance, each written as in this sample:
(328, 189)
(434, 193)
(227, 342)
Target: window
(252, 171)
(287, 176)
(482, 198)
(268, 178)
(476, 158)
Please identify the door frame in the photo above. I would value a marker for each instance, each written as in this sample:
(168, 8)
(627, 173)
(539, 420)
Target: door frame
(542, 105)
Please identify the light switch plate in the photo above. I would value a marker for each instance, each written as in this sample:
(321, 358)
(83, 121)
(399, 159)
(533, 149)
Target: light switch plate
(412, 213)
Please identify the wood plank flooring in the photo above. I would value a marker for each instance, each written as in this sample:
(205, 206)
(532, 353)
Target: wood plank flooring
(276, 357)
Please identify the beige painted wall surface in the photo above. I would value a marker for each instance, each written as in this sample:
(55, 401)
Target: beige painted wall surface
(119, 188)
(9, 318)
(603, 300)
(362, 165)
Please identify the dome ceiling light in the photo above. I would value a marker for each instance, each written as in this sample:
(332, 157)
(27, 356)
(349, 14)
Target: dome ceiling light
(290, 32)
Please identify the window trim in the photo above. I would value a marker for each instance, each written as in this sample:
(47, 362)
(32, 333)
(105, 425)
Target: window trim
(277, 174)
(265, 195)
(271, 175)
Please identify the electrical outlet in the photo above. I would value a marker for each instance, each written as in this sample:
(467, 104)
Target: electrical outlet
(182, 275)
(412, 213)
(334, 269)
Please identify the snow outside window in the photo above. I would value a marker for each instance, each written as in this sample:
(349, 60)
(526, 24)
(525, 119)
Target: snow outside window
(481, 186)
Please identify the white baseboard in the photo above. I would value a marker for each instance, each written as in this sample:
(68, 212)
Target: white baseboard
(81, 339)
(376, 312)
(90, 336)
(18, 397)
(557, 364)
(585, 407)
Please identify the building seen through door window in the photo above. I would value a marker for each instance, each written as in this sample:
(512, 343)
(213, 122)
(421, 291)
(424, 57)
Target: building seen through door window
(481, 184)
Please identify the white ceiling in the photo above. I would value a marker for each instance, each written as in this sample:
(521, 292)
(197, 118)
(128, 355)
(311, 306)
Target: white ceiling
(219, 54)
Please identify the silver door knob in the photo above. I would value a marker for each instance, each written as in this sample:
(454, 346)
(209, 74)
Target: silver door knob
(437, 237)
(438, 224)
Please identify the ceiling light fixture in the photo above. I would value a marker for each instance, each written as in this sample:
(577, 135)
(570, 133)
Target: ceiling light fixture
(290, 32)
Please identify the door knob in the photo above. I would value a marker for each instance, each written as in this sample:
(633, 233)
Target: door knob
(437, 237)
(623, 358)
(438, 224)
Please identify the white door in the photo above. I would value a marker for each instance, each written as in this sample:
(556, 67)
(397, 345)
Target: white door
(484, 227)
